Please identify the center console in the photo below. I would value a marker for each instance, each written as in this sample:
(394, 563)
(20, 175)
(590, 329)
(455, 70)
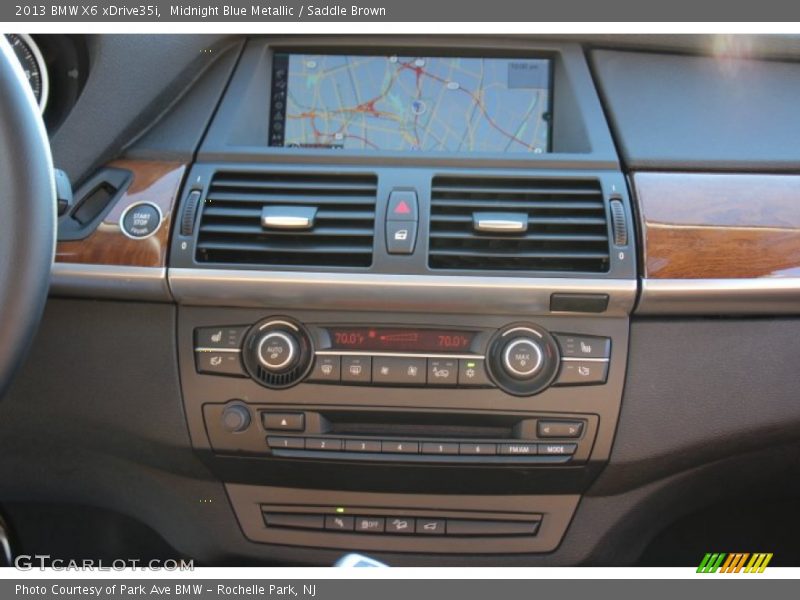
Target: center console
(404, 278)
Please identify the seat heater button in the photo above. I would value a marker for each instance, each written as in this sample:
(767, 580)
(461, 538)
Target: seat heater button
(583, 346)
(219, 337)
(370, 524)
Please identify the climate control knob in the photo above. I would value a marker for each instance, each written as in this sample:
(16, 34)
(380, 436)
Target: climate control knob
(277, 352)
(523, 359)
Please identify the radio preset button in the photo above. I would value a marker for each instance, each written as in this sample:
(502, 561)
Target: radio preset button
(332, 445)
(397, 370)
(439, 448)
(442, 371)
(362, 446)
(471, 372)
(326, 368)
(287, 443)
(357, 369)
(477, 449)
(401, 447)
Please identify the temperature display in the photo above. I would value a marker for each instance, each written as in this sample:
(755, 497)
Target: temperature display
(400, 340)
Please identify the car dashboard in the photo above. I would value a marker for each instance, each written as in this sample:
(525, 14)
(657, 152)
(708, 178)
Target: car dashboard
(445, 300)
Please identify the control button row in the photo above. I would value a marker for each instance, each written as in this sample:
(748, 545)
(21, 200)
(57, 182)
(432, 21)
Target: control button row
(418, 447)
(396, 370)
(401, 525)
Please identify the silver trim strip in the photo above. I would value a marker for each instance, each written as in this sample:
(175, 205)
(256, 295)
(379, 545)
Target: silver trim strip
(776, 295)
(109, 282)
(215, 350)
(578, 359)
(407, 293)
(397, 354)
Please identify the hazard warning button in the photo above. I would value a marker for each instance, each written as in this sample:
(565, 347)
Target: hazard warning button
(402, 206)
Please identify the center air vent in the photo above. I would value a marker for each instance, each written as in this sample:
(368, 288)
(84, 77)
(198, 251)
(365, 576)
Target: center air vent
(518, 224)
(288, 219)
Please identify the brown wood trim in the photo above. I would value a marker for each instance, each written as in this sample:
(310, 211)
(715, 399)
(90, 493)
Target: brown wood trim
(719, 226)
(155, 182)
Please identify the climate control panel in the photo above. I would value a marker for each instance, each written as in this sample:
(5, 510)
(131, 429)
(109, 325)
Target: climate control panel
(521, 359)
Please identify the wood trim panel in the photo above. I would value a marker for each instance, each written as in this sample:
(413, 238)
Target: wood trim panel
(719, 226)
(155, 182)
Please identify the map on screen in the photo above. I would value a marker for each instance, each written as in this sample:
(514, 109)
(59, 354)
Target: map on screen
(400, 103)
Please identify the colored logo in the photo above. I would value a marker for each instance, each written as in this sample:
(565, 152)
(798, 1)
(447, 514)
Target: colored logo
(734, 563)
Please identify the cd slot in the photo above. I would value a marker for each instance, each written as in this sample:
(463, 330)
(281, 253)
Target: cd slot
(400, 424)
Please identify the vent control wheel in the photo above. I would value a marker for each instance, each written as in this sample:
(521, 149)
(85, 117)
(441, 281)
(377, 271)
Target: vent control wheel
(523, 359)
(277, 352)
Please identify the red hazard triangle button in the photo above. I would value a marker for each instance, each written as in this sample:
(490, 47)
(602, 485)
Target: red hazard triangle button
(402, 206)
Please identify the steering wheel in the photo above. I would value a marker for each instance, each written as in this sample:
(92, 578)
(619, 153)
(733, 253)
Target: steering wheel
(27, 214)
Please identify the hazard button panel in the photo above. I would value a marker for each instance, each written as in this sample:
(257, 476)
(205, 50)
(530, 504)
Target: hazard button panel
(402, 218)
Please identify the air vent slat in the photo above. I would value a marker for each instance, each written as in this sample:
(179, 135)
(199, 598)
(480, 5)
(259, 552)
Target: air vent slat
(341, 235)
(278, 198)
(521, 205)
(330, 186)
(281, 248)
(257, 231)
(567, 226)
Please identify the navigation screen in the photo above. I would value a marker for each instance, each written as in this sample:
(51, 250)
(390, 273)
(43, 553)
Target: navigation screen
(402, 103)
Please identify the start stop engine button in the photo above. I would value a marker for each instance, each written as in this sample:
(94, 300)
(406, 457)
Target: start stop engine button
(141, 220)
